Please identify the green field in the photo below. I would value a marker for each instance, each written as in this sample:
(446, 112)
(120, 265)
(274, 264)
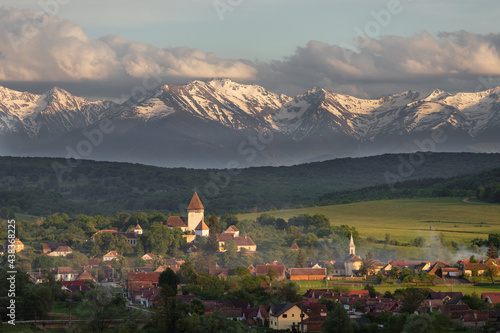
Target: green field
(406, 219)
(465, 289)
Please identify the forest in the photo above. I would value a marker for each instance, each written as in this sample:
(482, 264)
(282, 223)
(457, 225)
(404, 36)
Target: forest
(43, 186)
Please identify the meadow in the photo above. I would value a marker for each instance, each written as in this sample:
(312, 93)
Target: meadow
(464, 289)
(405, 219)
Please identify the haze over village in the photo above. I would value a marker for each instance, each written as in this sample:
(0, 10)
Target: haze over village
(249, 166)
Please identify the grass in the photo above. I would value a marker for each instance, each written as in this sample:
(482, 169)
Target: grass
(406, 219)
(63, 308)
(465, 289)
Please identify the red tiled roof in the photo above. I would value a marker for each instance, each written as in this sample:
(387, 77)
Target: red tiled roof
(494, 297)
(176, 221)
(244, 241)
(232, 229)
(65, 270)
(112, 254)
(264, 269)
(143, 276)
(195, 203)
(63, 248)
(202, 226)
(398, 263)
(225, 236)
(294, 247)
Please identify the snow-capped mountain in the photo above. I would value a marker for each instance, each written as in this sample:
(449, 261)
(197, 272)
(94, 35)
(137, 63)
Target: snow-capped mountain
(203, 124)
(233, 105)
(49, 115)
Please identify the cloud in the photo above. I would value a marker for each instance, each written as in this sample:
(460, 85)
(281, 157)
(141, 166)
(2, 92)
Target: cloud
(37, 48)
(392, 61)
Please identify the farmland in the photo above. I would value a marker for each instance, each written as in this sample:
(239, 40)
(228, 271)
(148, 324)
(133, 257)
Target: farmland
(406, 219)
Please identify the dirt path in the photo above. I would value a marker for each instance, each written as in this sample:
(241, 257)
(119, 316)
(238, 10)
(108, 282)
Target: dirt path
(467, 200)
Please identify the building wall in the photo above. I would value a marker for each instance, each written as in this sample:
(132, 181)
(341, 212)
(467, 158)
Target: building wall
(352, 266)
(248, 248)
(194, 218)
(307, 277)
(287, 319)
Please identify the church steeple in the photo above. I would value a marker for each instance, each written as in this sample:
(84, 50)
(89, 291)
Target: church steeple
(352, 247)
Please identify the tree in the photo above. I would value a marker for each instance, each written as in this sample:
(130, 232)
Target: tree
(394, 272)
(290, 292)
(371, 290)
(242, 272)
(280, 224)
(412, 300)
(491, 272)
(367, 264)
(472, 260)
(492, 252)
(168, 282)
(103, 307)
(266, 219)
(214, 224)
(406, 275)
(300, 262)
(337, 320)
(474, 302)
(418, 324)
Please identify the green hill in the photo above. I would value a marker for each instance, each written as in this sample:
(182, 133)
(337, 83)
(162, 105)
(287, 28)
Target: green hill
(42, 186)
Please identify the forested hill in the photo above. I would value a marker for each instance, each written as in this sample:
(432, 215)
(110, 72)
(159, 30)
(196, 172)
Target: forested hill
(43, 186)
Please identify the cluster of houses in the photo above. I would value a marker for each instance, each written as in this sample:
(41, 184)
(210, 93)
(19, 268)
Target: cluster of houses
(142, 289)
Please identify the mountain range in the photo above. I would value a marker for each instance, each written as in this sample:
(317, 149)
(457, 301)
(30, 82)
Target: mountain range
(221, 123)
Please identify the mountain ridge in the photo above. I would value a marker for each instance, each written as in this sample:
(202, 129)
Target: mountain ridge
(318, 124)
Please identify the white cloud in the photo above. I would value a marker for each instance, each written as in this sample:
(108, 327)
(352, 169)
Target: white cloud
(36, 48)
(46, 48)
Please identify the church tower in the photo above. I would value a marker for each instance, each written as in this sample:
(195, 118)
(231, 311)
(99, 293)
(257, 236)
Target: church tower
(195, 212)
(352, 247)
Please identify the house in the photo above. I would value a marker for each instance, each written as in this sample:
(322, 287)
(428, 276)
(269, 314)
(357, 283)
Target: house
(138, 229)
(474, 269)
(436, 268)
(338, 269)
(221, 272)
(49, 247)
(250, 316)
(15, 245)
(177, 222)
(131, 237)
(294, 247)
(86, 276)
(233, 230)
(263, 270)
(111, 255)
(61, 251)
(232, 313)
(137, 285)
(491, 298)
(202, 230)
(263, 314)
(241, 242)
(74, 286)
(307, 273)
(65, 274)
(450, 272)
(148, 257)
(285, 316)
(173, 264)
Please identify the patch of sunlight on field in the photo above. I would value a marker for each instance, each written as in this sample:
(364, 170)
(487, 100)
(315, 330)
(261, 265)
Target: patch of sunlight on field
(406, 219)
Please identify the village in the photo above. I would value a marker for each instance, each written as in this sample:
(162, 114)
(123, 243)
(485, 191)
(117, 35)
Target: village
(351, 282)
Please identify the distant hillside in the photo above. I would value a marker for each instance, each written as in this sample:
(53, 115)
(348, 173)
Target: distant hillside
(42, 186)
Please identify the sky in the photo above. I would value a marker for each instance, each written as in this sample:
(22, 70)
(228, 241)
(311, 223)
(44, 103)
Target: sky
(108, 48)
